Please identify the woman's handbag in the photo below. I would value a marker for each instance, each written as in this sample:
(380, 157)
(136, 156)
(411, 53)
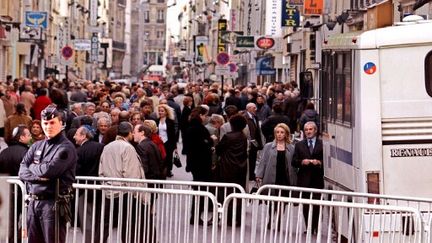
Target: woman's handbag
(176, 160)
(254, 189)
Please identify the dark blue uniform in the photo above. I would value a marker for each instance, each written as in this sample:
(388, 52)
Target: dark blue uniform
(45, 162)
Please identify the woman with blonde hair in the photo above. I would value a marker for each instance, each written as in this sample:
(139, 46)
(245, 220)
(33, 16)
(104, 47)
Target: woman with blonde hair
(274, 164)
(274, 167)
(155, 137)
(167, 132)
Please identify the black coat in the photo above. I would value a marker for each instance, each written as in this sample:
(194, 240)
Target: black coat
(171, 144)
(214, 109)
(151, 159)
(254, 130)
(232, 150)
(233, 100)
(61, 156)
(310, 175)
(270, 123)
(88, 158)
(11, 157)
(198, 149)
(184, 119)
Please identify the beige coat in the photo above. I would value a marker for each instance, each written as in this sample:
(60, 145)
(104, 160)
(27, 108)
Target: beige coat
(119, 159)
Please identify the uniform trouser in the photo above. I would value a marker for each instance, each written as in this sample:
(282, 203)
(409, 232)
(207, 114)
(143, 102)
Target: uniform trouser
(41, 222)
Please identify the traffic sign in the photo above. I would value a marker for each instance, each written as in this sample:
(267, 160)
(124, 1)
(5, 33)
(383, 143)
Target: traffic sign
(232, 75)
(82, 45)
(67, 52)
(222, 58)
(222, 70)
(232, 66)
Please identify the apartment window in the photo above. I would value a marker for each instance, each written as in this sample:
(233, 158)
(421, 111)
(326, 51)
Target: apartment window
(121, 2)
(146, 35)
(161, 1)
(146, 16)
(160, 16)
(159, 34)
(428, 73)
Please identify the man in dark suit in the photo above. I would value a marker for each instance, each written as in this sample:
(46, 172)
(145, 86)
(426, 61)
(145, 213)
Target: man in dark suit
(308, 158)
(89, 153)
(233, 99)
(255, 141)
(149, 153)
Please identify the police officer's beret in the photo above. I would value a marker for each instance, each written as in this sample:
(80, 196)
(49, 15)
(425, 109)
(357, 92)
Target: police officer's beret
(50, 112)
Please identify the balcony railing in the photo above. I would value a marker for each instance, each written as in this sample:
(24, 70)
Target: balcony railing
(155, 43)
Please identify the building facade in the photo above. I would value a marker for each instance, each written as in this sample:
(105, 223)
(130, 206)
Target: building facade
(297, 48)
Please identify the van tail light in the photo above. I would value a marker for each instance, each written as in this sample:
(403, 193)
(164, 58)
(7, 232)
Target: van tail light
(373, 186)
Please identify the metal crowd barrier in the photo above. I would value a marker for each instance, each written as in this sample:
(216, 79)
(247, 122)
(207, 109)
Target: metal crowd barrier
(282, 219)
(423, 205)
(219, 189)
(14, 223)
(143, 215)
(170, 211)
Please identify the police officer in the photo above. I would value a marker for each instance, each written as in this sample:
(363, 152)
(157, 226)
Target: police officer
(48, 169)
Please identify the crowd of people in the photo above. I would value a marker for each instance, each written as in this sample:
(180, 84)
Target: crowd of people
(235, 134)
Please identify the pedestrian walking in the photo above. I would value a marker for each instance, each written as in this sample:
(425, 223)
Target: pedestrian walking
(167, 132)
(198, 148)
(232, 150)
(308, 158)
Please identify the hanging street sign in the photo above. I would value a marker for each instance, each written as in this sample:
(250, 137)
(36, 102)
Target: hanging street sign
(265, 43)
(230, 37)
(245, 42)
(36, 19)
(94, 51)
(290, 15)
(82, 45)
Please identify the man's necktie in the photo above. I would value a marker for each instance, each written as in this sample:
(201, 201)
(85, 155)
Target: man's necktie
(311, 146)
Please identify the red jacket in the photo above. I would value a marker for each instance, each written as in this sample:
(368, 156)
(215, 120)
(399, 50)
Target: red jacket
(41, 102)
(158, 141)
